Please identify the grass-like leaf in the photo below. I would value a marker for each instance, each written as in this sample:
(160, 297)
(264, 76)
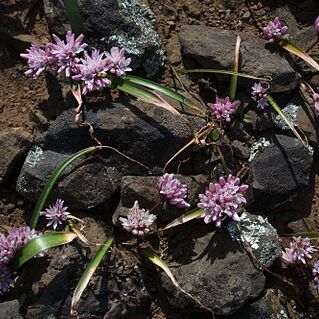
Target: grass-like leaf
(52, 182)
(243, 75)
(74, 15)
(40, 244)
(155, 259)
(234, 77)
(160, 89)
(301, 54)
(276, 107)
(88, 273)
(192, 214)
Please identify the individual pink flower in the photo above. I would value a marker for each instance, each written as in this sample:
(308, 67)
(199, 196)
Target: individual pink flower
(6, 279)
(138, 221)
(315, 274)
(316, 25)
(259, 94)
(299, 250)
(66, 52)
(90, 72)
(172, 191)
(275, 30)
(119, 65)
(223, 109)
(39, 60)
(316, 102)
(222, 199)
(56, 214)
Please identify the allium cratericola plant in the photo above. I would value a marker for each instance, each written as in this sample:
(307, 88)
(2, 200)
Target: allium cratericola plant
(56, 214)
(138, 221)
(275, 30)
(172, 191)
(222, 199)
(223, 109)
(259, 94)
(70, 58)
(300, 249)
(9, 244)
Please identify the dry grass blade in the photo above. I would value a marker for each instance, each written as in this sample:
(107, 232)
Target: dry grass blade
(234, 78)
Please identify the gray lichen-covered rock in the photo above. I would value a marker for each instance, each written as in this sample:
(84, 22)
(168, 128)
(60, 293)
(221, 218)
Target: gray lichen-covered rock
(142, 189)
(10, 310)
(151, 136)
(260, 236)
(214, 48)
(280, 174)
(212, 268)
(123, 23)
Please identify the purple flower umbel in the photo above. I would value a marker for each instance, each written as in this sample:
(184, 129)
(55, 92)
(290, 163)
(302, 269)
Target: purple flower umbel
(259, 94)
(222, 199)
(275, 30)
(39, 60)
(299, 250)
(315, 98)
(16, 238)
(138, 221)
(56, 214)
(316, 25)
(223, 109)
(315, 274)
(119, 65)
(172, 191)
(89, 71)
(6, 279)
(65, 52)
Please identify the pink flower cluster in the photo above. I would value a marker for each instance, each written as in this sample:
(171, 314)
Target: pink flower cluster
(172, 191)
(275, 30)
(222, 199)
(315, 98)
(259, 94)
(56, 214)
(223, 109)
(138, 221)
(316, 25)
(70, 58)
(299, 250)
(9, 244)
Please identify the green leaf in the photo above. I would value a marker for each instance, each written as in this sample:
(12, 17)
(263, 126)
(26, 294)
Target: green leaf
(74, 15)
(40, 244)
(247, 119)
(156, 260)
(301, 54)
(161, 89)
(276, 107)
(53, 180)
(88, 273)
(192, 214)
(234, 77)
(243, 75)
(215, 136)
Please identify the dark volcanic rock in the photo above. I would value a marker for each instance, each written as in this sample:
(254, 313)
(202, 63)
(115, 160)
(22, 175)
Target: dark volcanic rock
(142, 189)
(123, 23)
(270, 306)
(13, 143)
(280, 175)
(214, 48)
(10, 310)
(213, 269)
(152, 138)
